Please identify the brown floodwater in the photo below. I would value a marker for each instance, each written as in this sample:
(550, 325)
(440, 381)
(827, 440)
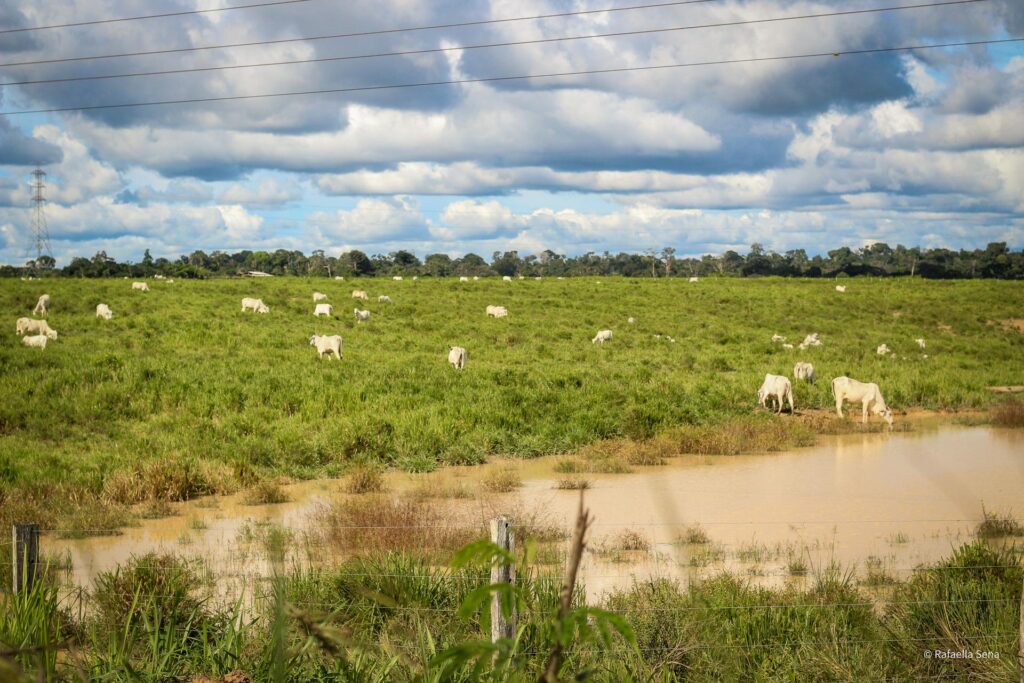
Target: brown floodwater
(889, 501)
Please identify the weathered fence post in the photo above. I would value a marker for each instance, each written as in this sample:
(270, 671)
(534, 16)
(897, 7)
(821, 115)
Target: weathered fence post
(1020, 646)
(25, 555)
(503, 537)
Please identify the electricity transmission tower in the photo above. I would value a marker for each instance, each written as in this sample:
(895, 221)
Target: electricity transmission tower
(40, 233)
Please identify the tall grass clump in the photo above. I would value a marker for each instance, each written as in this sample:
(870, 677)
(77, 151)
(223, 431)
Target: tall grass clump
(365, 479)
(266, 492)
(1008, 414)
(968, 602)
(377, 523)
(998, 525)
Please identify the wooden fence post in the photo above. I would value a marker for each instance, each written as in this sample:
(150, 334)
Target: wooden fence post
(503, 537)
(25, 555)
(1020, 642)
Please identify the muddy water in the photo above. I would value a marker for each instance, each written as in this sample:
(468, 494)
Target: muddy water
(899, 499)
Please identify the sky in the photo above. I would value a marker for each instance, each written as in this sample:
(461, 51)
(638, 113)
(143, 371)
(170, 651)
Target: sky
(922, 147)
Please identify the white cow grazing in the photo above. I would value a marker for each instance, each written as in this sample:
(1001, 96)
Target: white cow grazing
(866, 394)
(475, 278)
(787, 346)
(361, 315)
(42, 305)
(323, 309)
(463, 279)
(326, 344)
(140, 286)
(383, 299)
(457, 357)
(777, 387)
(601, 337)
(804, 371)
(840, 288)
(30, 326)
(254, 305)
(776, 338)
(415, 277)
(810, 340)
(36, 341)
(920, 342)
(103, 311)
(537, 278)
(693, 279)
(158, 276)
(360, 294)
(882, 350)
(631, 320)
(397, 278)
(339, 278)
(318, 296)
(497, 311)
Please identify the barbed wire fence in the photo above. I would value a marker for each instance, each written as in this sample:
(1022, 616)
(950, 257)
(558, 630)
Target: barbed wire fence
(32, 546)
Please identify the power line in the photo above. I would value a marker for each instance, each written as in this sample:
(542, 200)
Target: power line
(536, 41)
(149, 16)
(378, 32)
(497, 79)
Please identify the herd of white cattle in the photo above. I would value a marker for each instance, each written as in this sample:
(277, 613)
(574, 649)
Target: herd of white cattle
(776, 389)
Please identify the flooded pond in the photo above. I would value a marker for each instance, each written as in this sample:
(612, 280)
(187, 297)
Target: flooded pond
(880, 502)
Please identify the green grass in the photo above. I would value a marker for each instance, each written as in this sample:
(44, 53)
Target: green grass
(386, 615)
(182, 395)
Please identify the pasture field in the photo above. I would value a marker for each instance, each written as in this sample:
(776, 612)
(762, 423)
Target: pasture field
(182, 395)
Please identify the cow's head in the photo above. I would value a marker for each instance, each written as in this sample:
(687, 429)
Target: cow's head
(886, 414)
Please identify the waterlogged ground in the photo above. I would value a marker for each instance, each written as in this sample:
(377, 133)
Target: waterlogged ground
(877, 504)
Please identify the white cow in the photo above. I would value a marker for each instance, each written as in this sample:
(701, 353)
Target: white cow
(882, 349)
(319, 296)
(920, 342)
(383, 299)
(457, 357)
(42, 305)
(103, 311)
(840, 288)
(361, 315)
(787, 346)
(777, 387)
(776, 338)
(326, 344)
(140, 286)
(506, 278)
(339, 277)
(30, 326)
(323, 309)
(475, 278)
(804, 371)
(601, 337)
(497, 311)
(36, 341)
(631, 320)
(397, 278)
(463, 279)
(360, 294)
(693, 279)
(254, 305)
(810, 340)
(866, 394)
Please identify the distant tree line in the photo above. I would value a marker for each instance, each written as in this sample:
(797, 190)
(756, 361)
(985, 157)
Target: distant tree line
(879, 259)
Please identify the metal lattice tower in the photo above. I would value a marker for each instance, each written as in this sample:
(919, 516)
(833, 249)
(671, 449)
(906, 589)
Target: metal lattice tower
(40, 233)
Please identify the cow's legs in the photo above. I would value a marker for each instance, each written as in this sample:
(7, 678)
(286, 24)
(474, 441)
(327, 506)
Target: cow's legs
(864, 412)
(839, 406)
